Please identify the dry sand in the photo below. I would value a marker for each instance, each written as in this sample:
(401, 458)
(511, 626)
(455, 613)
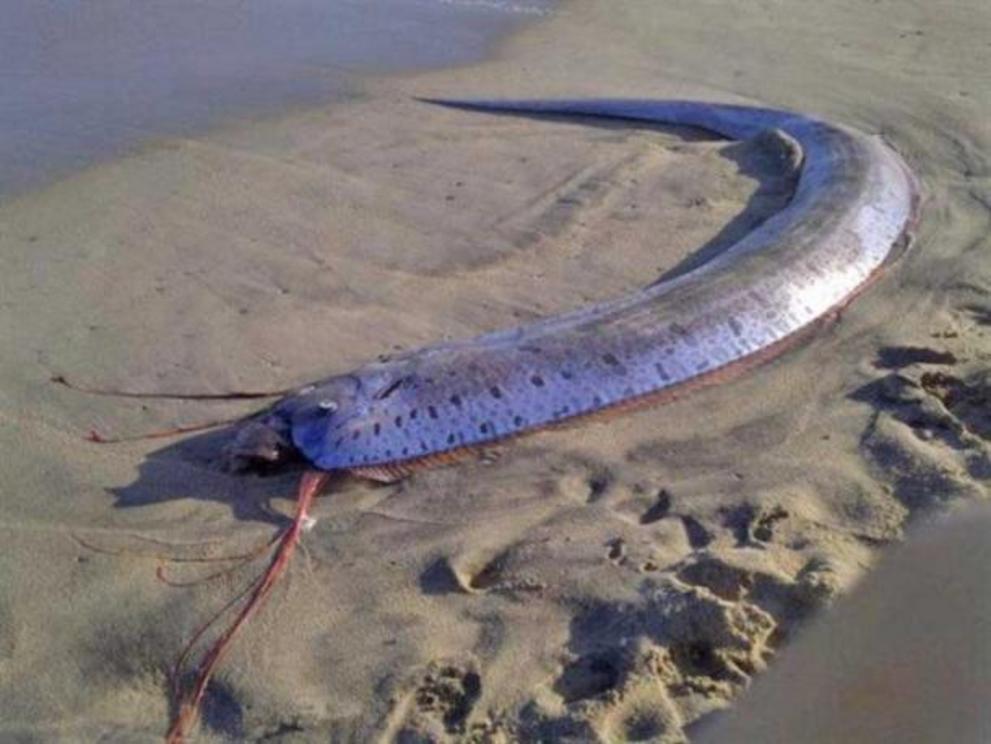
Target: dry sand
(617, 581)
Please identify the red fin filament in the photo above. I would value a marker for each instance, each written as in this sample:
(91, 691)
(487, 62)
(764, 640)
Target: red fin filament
(187, 699)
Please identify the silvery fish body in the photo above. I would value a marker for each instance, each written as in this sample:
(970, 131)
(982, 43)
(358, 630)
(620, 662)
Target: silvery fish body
(854, 202)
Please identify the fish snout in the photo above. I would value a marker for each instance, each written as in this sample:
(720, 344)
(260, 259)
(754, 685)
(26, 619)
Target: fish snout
(259, 446)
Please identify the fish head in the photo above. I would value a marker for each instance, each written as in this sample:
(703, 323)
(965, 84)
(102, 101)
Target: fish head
(260, 444)
(294, 429)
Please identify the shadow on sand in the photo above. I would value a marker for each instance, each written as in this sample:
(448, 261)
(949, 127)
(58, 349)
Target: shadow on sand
(192, 467)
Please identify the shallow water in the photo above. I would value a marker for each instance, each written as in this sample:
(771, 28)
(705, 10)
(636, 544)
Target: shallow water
(82, 81)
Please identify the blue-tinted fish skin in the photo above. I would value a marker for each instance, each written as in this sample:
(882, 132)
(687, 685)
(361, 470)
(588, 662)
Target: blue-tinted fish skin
(854, 202)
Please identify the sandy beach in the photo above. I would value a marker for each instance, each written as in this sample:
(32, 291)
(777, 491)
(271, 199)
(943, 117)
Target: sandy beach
(624, 580)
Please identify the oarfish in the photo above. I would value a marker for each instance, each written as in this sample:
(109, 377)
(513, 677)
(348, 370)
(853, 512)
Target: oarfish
(854, 206)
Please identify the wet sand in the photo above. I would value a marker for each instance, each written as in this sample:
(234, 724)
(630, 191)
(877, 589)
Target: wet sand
(80, 83)
(617, 581)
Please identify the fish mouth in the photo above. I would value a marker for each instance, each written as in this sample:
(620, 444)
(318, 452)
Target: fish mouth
(261, 446)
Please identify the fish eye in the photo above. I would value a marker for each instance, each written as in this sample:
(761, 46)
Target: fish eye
(327, 405)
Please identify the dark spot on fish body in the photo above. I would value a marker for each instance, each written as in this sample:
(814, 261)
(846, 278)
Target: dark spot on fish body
(413, 414)
(735, 326)
(739, 348)
(386, 392)
(456, 400)
(399, 422)
(567, 374)
(495, 392)
(611, 360)
(518, 421)
(759, 298)
(377, 429)
(684, 333)
(432, 412)
(661, 372)
(451, 438)
(537, 381)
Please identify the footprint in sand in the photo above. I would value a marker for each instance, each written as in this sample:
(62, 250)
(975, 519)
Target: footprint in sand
(932, 425)
(441, 702)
